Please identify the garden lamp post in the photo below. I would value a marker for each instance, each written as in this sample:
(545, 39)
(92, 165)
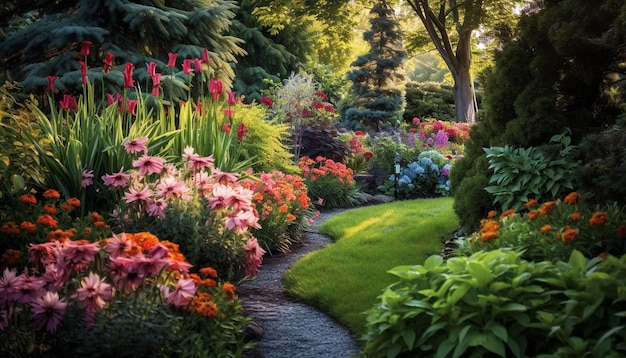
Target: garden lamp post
(396, 174)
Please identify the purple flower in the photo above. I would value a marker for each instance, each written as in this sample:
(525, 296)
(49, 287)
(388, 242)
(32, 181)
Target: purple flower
(441, 139)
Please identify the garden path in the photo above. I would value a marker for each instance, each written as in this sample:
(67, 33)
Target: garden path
(292, 328)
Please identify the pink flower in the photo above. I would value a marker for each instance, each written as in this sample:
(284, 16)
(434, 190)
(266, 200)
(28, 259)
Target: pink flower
(79, 251)
(118, 245)
(215, 88)
(157, 208)
(68, 103)
(223, 177)
(48, 311)
(131, 106)
(93, 294)
(205, 55)
(87, 179)
(242, 130)
(149, 165)
(228, 112)
(222, 196)
(241, 221)
(254, 257)
(156, 82)
(151, 68)
(140, 196)
(29, 288)
(128, 75)
(196, 161)
(197, 64)
(416, 120)
(170, 187)
(187, 66)
(137, 145)
(172, 59)
(51, 87)
(232, 98)
(86, 46)
(116, 180)
(124, 274)
(9, 286)
(182, 294)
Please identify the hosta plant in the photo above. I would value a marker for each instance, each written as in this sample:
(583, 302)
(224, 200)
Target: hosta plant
(497, 304)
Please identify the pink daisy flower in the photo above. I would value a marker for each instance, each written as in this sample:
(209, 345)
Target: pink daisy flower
(79, 251)
(87, 179)
(171, 187)
(118, 245)
(149, 165)
(116, 180)
(182, 294)
(48, 311)
(137, 145)
(30, 288)
(9, 286)
(140, 196)
(157, 208)
(222, 196)
(93, 294)
(223, 177)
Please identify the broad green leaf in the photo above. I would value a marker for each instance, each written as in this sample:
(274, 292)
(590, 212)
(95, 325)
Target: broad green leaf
(409, 338)
(577, 261)
(480, 272)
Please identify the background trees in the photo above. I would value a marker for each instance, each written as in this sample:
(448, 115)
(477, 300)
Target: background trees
(378, 78)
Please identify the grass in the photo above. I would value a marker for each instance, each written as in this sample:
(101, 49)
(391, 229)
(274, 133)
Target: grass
(344, 279)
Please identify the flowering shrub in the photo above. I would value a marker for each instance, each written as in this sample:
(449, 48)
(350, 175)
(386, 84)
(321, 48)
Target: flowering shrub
(82, 298)
(330, 184)
(41, 217)
(551, 230)
(428, 176)
(360, 156)
(204, 210)
(283, 206)
(435, 133)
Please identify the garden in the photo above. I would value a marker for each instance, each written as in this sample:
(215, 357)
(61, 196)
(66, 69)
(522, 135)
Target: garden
(143, 193)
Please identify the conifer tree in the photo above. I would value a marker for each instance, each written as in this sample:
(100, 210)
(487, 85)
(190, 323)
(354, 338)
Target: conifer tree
(378, 78)
(139, 32)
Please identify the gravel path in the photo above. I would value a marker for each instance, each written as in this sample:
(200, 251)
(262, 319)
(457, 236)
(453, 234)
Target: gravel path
(291, 328)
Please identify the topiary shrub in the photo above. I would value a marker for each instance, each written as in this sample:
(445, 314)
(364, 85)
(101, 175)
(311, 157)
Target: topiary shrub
(496, 304)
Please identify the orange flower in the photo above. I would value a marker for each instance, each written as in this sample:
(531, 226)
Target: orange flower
(49, 209)
(65, 206)
(10, 228)
(207, 282)
(547, 208)
(208, 271)
(51, 194)
(28, 227)
(486, 236)
(531, 204)
(229, 290)
(47, 220)
(492, 214)
(291, 217)
(59, 235)
(575, 216)
(572, 198)
(507, 213)
(11, 257)
(603, 255)
(284, 208)
(491, 226)
(96, 217)
(28, 199)
(599, 218)
(621, 231)
(74, 202)
(145, 240)
(568, 235)
(546, 229)
(532, 215)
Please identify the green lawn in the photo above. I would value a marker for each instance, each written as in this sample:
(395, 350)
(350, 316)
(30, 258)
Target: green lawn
(345, 278)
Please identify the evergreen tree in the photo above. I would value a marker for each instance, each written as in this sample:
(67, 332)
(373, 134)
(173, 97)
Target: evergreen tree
(138, 32)
(562, 69)
(378, 77)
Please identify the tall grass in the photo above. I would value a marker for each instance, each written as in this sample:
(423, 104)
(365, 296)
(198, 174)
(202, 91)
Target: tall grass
(345, 278)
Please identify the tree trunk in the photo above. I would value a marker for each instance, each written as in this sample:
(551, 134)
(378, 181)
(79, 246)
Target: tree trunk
(464, 97)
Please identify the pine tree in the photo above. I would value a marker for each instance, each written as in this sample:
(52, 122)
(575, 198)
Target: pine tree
(378, 77)
(138, 32)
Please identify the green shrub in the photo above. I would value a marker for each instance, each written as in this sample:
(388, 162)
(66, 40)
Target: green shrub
(471, 201)
(495, 303)
(520, 174)
(429, 99)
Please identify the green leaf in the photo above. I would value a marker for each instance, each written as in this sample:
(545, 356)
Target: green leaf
(480, 272)
(577, 261)
(409, 338)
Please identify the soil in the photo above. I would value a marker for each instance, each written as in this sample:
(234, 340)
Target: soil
(289, 328)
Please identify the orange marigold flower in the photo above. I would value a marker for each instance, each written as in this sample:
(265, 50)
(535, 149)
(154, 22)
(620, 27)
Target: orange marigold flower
(207, 282)
(491, 226)
(546, 229)
(59, 235)
(50, 209)
(284, 208)
(100, 224)
(208, 271)
(51, 194)
(575, 216)
(10, 228)
(490, 235)
(145, 240)
(87, 231)
(572, 198)
(28, 199)
(532, 215)
(603, 255)
(196, 278)
(28, 227)
(258, 197)
(65, 206)
(95, 217)
(507, 213)
(74, 202)
(47, 220)
(208, 309)
(569, 234)
(621, 231)
(229, 290)
(492, 214)
(291, 217)
(11, 257)
(598, 218)
(531, 204)
(547, 208)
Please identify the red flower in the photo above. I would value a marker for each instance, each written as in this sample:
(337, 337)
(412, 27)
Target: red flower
(215, 88)
(267, 101)
(232, 98)
(68, 103)
(205, 55)
(84, 50)
(51, 87)
(172, 59)
(83, 71)
(241, 131)
(368, 155)
(107, 62)
(128, 75)
(226, 128)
